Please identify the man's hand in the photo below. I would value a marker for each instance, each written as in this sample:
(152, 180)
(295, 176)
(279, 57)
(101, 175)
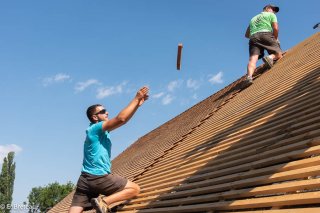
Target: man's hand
(142, 95)
(125, 115)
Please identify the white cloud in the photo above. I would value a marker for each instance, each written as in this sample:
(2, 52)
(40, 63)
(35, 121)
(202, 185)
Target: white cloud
(167, 99)
(61, 77)
(5, 149)
(58, 78)
(108, 91)
(80, 86)
(195, 96)
(216, 79)
(174, 85)
(193, 84)
(158, 95)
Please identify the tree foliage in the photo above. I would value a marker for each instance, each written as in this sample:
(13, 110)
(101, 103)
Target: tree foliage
(7, 177)
(41, 199)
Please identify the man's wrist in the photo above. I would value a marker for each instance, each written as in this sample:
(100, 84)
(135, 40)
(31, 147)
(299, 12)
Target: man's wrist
(136, 99)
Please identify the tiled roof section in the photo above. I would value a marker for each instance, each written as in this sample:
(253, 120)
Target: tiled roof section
(258, 151)
(252, 150)
(147, 149)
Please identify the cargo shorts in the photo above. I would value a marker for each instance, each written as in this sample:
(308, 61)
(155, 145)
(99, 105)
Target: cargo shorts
(91, 186)
(263, 41)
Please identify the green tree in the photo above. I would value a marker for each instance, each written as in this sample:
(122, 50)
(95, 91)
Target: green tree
(41, 199)
(7, 177)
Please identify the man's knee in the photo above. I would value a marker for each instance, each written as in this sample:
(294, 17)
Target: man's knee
(278, 55)
(75, 209)
(134, 187)
(137, 189)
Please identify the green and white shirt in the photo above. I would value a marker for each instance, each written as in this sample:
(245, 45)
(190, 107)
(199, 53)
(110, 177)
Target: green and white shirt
(262, 22)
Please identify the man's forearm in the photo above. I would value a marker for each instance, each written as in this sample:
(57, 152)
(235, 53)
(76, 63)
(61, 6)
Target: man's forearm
(275, 34)
(129, 110)
(275, 28)
(126, 114)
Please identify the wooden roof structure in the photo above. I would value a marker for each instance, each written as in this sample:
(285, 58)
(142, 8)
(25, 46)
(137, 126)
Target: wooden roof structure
(254, 149)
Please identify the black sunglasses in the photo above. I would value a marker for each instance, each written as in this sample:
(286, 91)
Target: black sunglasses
(103, 111)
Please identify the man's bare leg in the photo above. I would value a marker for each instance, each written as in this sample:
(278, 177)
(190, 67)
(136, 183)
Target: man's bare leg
(131, 190)
(75, 209)
(252, 65)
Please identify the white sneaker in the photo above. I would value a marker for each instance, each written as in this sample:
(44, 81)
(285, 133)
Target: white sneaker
(268, 61)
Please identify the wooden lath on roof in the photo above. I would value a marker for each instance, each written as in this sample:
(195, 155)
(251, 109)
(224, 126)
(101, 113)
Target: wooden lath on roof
(259, 151)
(154, 144)
(253, 150)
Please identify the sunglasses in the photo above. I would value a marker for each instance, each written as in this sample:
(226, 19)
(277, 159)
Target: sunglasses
(103, 111)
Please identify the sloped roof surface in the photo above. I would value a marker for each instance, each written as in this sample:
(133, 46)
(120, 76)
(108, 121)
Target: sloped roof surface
(251, 150)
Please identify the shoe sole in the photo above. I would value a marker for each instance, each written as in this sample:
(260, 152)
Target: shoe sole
(246, 84)
(267, 63)
(95, 204)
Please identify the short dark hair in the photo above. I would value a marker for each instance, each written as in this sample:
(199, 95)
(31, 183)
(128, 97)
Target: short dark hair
(91, 110)
(273, 7)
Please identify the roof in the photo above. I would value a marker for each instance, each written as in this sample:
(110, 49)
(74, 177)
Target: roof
(252, 149)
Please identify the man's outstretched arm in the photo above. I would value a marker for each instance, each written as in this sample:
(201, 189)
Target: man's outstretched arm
(126, 114)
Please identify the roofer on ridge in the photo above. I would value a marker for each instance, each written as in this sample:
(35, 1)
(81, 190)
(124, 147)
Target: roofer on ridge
(263, 33)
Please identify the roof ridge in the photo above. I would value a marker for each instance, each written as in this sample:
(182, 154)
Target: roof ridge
(232, 90)
(235, 85)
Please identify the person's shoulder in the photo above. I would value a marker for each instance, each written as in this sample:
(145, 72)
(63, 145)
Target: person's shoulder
(95, 127)
(270, 14)
(273, 17)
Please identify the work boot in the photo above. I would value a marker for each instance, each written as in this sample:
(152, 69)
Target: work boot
(248, 81)
(100, 205)
(268, 61)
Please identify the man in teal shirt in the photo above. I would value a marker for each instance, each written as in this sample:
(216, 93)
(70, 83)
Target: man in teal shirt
(263, 33)
(96, 177)
(97, 150)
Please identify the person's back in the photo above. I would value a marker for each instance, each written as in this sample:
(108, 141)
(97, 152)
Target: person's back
(263, 35)
(262, 22)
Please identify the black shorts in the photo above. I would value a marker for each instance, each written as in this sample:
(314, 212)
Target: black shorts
(263, 41)
(91, 186)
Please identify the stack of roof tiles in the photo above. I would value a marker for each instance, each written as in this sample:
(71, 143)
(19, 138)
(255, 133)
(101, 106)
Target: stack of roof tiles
(240, 150)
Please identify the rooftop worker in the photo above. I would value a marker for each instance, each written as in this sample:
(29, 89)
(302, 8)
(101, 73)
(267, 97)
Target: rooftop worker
(96, 177)
(263, 33)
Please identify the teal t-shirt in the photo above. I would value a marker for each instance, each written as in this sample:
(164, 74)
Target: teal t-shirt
(262, 22)
(97, 151)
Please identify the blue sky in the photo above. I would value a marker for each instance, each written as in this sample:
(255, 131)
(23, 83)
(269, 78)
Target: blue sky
(58, 57)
